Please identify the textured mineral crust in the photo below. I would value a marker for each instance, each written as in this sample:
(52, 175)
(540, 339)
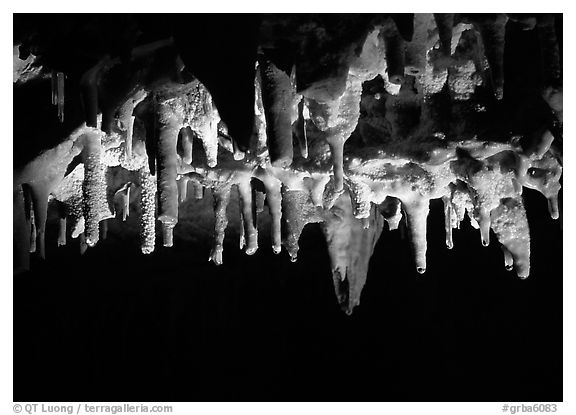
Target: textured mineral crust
(351, 122)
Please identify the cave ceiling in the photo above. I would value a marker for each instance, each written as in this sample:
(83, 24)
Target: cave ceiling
(355, 122)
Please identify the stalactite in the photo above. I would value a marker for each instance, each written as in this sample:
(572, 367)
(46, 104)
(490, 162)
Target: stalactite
(124, 197)
(33, 232)
(54, 85)
(337, 120)
(278, 100)
(350, 246)
(209, 136)
(248, 217)
(61, 223)
(82, 243)
(508, 260)
(493, 29)
(221, 195)
(297, 211)
(127, 118)
(39, 196)
(448, 215)
(300, 129)
(274, 199)
(167, 162)
(544, 175)
(510, 225)
(261, 146)
(416, 217)
(484, 223)
(93, 187)
(461, 201)
(185, 145)
(148, 210)
(183, 188)
(62, 232)
(201, 116)
(77, 223)
(242, 240)
(29, 214)
(126, 209)
(129, 136)
(238, 154)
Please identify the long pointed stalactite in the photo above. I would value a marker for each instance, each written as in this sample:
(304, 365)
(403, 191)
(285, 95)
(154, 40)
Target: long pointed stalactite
(358, 147)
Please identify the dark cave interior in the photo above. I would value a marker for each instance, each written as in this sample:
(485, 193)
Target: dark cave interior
(116, 325)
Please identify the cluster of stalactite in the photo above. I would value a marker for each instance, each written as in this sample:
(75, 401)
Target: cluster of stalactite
(167, 130)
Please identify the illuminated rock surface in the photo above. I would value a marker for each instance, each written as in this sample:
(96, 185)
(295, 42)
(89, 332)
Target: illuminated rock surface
(349, 129)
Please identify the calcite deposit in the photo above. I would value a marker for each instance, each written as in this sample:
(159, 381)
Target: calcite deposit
(349, 130)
